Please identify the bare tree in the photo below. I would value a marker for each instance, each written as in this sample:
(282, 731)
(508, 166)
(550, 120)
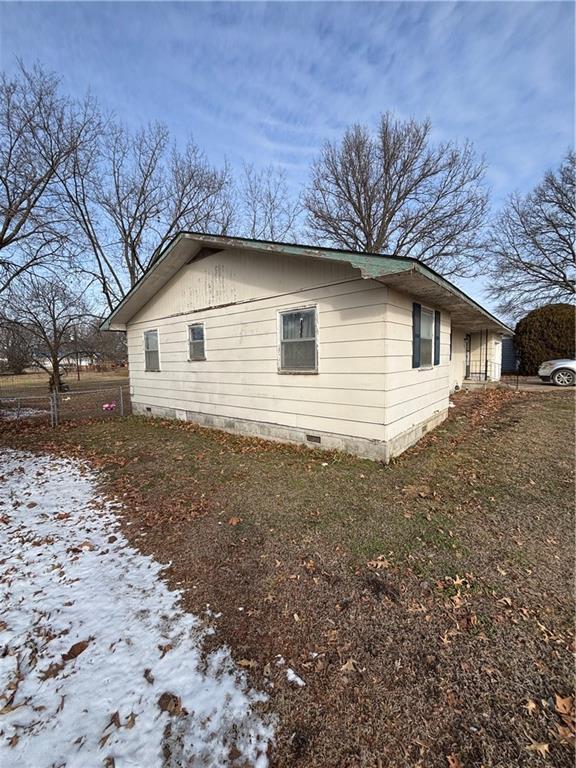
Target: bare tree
(394, 192)
(40, 131)
(131, 196)
(102, 347)
(45, 311)
(265, 210)
(533, 244)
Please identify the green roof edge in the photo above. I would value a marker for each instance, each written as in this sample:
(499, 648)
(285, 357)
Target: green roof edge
(369, 264)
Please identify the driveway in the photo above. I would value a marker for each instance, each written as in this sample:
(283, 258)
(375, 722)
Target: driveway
(100, 666)
(533, 384)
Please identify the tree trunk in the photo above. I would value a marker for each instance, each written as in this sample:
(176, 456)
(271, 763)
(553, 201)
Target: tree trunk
(56, 380)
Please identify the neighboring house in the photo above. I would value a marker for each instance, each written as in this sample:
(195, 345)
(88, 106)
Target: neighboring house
(332, 348)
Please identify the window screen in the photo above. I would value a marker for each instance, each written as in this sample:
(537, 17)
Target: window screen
(151, 354)
(426, 337)
(196, 350)
(298, 340)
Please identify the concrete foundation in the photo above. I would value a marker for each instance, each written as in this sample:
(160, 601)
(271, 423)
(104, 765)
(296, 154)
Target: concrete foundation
(377, 450)
(405, 440)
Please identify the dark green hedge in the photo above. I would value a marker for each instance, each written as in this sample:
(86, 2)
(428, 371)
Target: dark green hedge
(545, 334)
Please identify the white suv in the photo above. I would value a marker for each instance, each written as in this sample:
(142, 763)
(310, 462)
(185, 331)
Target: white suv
(559, 372)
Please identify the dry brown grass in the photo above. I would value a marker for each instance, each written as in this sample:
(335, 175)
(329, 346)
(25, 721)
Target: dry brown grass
(425, 603)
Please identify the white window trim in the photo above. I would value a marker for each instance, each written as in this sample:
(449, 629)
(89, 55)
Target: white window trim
(150, 330)
(196, 359)
(430, 366)
(287, 311)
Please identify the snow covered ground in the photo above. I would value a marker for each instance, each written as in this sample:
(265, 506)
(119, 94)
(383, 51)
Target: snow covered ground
(21, 413)
(99, 665)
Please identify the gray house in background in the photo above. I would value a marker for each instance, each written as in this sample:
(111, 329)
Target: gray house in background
(508, 355)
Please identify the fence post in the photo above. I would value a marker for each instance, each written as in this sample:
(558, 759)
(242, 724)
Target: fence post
(121, 402)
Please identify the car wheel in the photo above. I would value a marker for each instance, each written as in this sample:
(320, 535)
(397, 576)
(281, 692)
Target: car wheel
(563, 378)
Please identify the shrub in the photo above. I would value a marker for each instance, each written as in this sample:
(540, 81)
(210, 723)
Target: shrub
(547, 333)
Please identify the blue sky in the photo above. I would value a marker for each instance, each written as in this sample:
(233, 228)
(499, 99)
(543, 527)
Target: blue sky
(269, 82)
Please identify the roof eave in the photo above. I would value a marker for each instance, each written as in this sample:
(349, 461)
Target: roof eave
(387, 269)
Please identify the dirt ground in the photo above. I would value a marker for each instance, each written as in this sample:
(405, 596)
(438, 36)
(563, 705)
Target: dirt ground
(427, 605)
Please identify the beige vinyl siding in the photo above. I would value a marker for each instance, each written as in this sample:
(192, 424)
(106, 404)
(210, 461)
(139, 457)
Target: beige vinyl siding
(239, 378)
(232, 277)
(458, 362)
(412, 395)
(482, 349)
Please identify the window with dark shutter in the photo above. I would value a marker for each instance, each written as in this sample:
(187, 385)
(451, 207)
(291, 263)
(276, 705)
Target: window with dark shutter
(426, 337)
(416, 311)
(437, 320)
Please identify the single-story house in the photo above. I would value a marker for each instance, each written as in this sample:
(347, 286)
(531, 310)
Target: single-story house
(326, 347)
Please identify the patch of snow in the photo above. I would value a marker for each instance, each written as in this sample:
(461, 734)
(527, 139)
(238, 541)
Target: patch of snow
(23, 413)
(293, 678)
(93, 638)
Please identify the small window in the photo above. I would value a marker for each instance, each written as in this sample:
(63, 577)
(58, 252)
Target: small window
(426, 337)
(298, 352)
(196, 348)
(151, 353)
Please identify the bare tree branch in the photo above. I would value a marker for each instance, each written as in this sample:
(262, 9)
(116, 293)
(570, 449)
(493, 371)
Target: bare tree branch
(533, 244)
(265, 209)
(40, 131)
(128, 198)
(396, 193)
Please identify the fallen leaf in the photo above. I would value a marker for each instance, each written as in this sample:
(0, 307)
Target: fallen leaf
(75, 650)
(349, 666)
(453, 761)
(539, 747)
(149, 676)
(379, 563)
(169, 702)
(51, 671)
(565, 734)
(247, 663)
(531, 706)
(234, 521)
(564, 704)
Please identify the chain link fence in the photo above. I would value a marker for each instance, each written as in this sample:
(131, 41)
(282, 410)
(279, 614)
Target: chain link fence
(56, 408)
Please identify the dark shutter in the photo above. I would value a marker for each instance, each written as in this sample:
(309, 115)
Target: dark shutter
(436, 338)
(416, 314)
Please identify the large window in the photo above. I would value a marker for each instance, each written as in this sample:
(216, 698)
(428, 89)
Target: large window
(151, 353)
(298, 348)
(426, 337)
(196, 342)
